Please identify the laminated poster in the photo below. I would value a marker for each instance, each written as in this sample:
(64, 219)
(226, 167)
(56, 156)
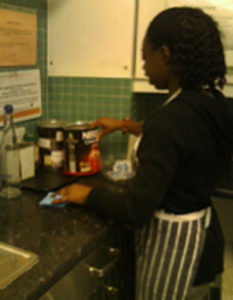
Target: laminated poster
(22, 89)
(18, 38)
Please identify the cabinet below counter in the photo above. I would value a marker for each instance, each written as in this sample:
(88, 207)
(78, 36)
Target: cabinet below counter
(224, 187)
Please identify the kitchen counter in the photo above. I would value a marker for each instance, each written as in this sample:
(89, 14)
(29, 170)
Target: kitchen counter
(60, 237)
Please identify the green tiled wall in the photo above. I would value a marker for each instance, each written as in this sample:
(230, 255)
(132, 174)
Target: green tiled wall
(87, 99)
(143, 104)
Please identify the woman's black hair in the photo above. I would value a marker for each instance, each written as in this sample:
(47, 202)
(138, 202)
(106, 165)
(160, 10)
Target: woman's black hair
(194, 40)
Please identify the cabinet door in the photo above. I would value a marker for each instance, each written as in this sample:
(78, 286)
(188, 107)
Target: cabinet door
(147, 9)
(90, 38)
(224, 208)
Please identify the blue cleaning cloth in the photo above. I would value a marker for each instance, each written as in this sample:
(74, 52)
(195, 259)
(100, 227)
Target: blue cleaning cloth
(48, 199)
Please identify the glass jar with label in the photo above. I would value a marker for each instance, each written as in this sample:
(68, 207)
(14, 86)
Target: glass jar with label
(51, 144)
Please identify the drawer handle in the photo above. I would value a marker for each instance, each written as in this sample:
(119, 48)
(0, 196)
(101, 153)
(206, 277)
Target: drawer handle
(101, 272)
(96, 272)
(111, 290)
(114, 251)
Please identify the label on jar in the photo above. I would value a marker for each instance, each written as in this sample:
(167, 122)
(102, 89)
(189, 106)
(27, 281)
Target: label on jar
(85, 166)
(72, 164)
(47, 160)
(59, 136)
(89, 137)
(82, 152)
(57, 158)
(44, 143)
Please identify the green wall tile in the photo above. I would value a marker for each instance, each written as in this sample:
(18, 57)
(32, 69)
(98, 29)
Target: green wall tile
(87, 99)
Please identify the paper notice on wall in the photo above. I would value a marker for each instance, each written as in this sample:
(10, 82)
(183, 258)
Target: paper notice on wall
(220, 10)
(18, 38)
(22, 89)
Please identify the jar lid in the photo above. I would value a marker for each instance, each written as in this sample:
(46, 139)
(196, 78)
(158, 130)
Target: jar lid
(52, 124)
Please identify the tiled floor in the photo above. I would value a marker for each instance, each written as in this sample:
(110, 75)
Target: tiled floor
(227, 276)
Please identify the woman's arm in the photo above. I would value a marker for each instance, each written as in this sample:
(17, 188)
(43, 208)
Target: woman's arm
(135, 127)
(109, 125)
(135, 204)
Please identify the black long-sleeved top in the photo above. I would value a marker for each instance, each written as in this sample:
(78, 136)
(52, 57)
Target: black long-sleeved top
(182, 147)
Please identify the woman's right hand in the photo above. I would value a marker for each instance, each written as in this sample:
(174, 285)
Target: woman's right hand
(107, 125)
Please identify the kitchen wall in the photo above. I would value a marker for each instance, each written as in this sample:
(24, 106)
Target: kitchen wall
(143, 104)
(74, 99)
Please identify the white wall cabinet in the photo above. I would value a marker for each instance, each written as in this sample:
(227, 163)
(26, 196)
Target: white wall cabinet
(90, 38)
(147, 9)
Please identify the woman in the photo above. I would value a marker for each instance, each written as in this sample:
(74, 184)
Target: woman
(179, 245)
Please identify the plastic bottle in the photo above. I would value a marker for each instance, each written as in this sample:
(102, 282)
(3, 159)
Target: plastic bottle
(9, 157)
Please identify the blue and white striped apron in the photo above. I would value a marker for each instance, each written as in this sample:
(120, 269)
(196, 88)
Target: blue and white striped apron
(168, 251)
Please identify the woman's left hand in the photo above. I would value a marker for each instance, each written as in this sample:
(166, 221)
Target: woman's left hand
(76, 193)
